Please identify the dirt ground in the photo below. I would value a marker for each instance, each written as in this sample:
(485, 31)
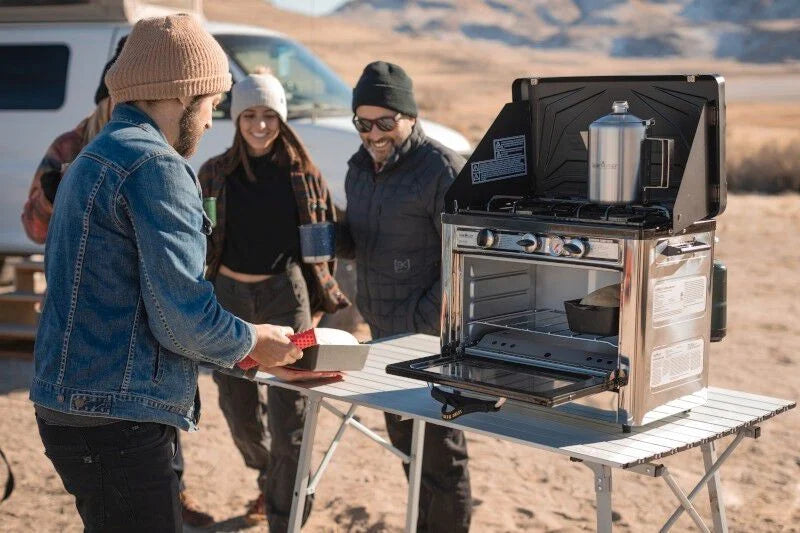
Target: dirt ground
(515, 488)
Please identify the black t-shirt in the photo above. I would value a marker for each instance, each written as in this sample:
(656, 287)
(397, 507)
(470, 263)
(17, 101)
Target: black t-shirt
(261, 234)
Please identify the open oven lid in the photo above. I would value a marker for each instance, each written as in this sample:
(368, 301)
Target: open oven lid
(506, 379)
(535, 147)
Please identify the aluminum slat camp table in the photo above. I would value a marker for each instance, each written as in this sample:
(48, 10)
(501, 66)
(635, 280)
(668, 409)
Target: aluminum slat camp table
(598, 445)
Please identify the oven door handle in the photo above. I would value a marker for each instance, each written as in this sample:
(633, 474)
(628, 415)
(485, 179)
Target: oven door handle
(462, 405)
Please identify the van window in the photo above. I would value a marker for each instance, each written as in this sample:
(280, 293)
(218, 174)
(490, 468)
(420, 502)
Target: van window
(311, 86)
(34, 76)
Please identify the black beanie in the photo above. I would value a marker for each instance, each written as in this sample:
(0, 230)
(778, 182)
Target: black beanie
(102, 89)
(386, 85)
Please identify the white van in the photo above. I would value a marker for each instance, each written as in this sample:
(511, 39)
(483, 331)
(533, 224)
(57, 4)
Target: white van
(52, 54)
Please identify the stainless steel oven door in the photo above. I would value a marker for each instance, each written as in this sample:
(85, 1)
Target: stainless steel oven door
(507, 379)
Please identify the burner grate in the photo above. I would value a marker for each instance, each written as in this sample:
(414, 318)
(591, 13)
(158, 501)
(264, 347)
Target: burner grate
(580, 210)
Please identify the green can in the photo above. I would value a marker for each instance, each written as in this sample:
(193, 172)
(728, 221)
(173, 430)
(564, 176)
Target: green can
(719, 301)
(210, 207)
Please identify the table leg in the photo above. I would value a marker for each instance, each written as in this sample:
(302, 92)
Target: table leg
(415, 474)
(710, 472)
(326, 459)
(715, 489)
(602, 490)
(304, 464)
(685, 502)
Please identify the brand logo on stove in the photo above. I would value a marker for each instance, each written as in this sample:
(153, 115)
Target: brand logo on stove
(604, 165)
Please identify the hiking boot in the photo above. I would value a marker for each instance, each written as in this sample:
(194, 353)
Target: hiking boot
(256, 511)
(192, 515)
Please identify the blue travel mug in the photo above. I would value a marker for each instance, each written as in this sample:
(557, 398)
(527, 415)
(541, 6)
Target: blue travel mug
(317, 242)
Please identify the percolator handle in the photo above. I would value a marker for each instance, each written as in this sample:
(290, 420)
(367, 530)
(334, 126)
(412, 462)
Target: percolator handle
(667, 148)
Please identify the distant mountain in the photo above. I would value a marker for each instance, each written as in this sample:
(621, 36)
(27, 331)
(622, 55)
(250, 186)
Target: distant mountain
(759, 31)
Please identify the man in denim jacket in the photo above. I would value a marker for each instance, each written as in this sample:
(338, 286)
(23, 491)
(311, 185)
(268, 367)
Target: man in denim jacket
(128, 315)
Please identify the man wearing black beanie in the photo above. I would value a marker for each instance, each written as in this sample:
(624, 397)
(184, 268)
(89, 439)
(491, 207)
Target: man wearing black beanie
(395, 190)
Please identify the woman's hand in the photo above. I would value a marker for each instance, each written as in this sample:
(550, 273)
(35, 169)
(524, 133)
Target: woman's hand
(294, 374)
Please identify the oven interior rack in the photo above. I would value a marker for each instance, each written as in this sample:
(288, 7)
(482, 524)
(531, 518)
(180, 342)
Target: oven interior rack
(543, 321)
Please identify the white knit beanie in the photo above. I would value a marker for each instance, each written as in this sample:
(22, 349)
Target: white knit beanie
(258, 90)
(168, 57)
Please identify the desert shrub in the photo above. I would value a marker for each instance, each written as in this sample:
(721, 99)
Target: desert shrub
(768, 168)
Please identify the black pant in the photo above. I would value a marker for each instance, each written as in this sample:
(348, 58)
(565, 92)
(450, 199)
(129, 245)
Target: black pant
(120, 474)
(266, 423)
(445, 495)
(177, 461)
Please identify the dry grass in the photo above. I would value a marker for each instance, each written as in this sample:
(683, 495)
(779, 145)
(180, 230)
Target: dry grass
(763, 147)
(767, 169)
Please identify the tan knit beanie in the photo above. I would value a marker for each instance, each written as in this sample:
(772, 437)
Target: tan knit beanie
(168, 57)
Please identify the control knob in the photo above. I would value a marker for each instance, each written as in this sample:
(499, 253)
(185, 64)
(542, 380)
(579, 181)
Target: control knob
(487, 238)
(575, 248)
(529, 243)
(559, 247)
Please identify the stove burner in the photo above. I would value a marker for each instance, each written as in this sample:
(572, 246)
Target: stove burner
(580, 210)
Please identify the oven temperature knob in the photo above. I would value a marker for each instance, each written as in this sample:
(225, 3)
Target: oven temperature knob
(575, 248)
(487, 238)
(529, 243)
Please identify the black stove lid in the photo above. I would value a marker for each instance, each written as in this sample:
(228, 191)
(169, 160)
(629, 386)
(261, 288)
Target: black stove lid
(552, 162)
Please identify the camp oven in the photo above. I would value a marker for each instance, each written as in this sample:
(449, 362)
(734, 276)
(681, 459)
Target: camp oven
(520, 238)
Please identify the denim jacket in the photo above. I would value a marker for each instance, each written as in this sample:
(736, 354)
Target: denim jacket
(128, 314)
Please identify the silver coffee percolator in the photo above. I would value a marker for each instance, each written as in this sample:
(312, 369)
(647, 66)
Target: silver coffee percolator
(620, 156)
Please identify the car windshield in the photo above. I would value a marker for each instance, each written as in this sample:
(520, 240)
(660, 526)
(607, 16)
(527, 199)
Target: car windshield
(311, 86)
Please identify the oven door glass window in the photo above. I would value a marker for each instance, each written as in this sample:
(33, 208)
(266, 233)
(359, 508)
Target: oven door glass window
(524, 382)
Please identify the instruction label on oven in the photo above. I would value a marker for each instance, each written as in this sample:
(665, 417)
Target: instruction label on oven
(510, 161)
(676, 299)
(676, 362)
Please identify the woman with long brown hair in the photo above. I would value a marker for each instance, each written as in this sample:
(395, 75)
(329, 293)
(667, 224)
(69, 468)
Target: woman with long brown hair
(263, 187)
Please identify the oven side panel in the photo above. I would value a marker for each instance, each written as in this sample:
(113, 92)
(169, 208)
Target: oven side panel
(669, 366)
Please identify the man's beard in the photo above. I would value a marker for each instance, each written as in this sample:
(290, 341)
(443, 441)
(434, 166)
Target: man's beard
(375, 155)
(190, 130)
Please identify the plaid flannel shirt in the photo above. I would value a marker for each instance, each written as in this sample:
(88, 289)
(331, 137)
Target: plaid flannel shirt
(314, 204)
(37, 210)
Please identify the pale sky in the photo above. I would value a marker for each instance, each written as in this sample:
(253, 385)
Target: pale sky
(310, 7)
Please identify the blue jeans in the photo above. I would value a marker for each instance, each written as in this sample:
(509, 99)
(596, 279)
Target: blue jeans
(121, 474)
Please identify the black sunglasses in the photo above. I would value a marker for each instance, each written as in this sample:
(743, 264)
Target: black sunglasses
(364, 125)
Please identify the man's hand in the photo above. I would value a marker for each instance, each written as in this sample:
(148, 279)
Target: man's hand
(294, 374)
(273, 348)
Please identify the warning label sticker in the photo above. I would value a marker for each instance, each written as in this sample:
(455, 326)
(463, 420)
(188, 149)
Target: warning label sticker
(509, 161)
(466, 237)
(675, 362)
(674, 299)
